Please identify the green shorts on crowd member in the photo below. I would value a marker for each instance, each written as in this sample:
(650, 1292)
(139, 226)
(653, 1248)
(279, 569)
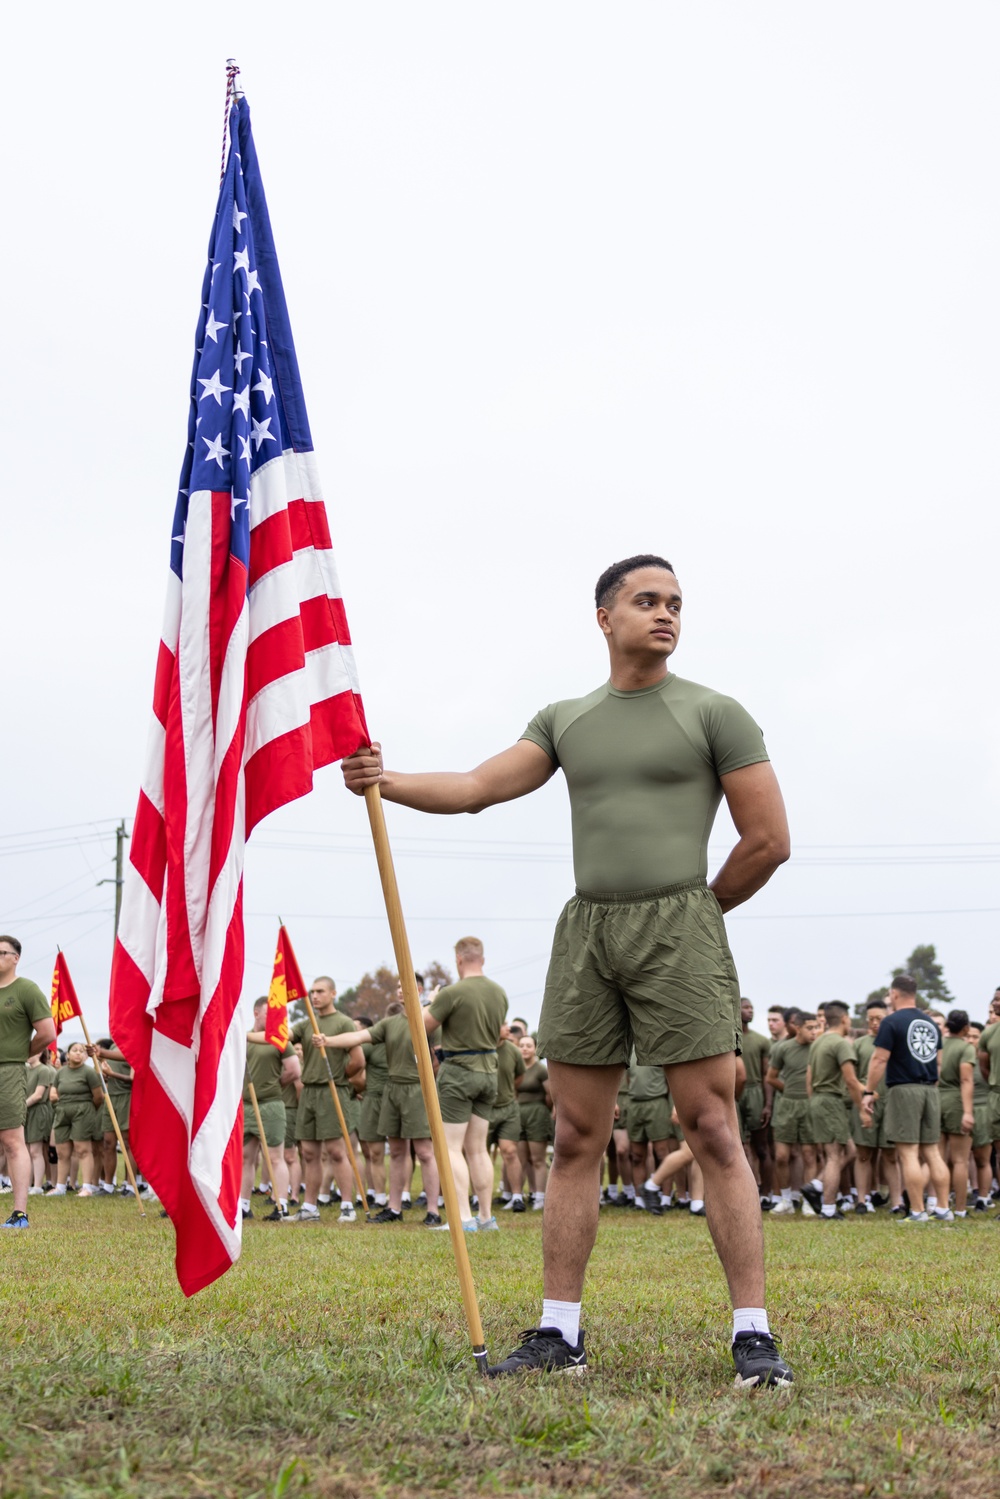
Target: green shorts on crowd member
(751, 1108)
(981, 1131)
(829, 1119)
(623, 1101)
(869, 1138)
(791, 1123)
(913, 1114)
(505, 1124)
(536, 1123)
(290, 1117)
(649, 1119)
(993, 1115)
(950, 1100)
(464, 1091)
(122, 1100)
(38, 1123)
(403, 1115)
(650, 969)
(272, 1117)
(371, 1107)
(76, 1120)
(13, 1092)
(316, 1117)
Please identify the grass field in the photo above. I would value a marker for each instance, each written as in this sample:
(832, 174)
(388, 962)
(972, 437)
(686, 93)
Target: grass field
(334, 1362)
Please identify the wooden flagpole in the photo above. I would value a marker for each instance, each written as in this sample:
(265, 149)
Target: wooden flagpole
(422, 1051)
(263, 1142)
(336, 1100)
(114, 1120)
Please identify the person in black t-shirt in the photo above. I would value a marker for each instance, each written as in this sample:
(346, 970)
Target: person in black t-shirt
(906, 1051)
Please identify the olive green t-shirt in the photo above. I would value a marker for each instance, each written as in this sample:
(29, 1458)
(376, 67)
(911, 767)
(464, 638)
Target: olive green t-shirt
(864, 1046)
(471, 1013)
(21, 1004)
(533, 1080)
(510, 1064)
(376, 1066)
(989, 1044)
(42, 1074)
(264, 1064)
(954, 1052)
(393, 1032)
(313, 1065)
(790, 1061)
(642, 769)
(647, 1083)
(74, 1083)
(756, 1051)
(119, 1080)
(827, 1055)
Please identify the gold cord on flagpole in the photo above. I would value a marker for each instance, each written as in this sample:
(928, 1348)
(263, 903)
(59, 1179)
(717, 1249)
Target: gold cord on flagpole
(422, 1051)
(336, 1099)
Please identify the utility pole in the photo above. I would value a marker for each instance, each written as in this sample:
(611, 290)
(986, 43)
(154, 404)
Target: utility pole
(120, 836)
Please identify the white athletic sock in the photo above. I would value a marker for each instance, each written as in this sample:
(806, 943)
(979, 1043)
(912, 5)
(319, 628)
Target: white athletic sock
(325, 1198)
(817, 1183)
(613, 1193)
(565, 1315)
(629, 1193)
(931, 1203)
(312, 1206)
(245, 1204)
(750, 1319)
(380, 1199)
(697, 1203)
(538, 1198)
(59, 1191)
(514, 1197)
(786, 1194)
(828, 1210)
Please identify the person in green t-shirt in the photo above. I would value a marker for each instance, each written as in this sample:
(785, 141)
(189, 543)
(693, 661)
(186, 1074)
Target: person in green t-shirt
(640, 954)
(989, 1065)
(269, 1070)
(39, 1104)
(957, 1089)
(26, 1028)
(786, 1074)
(832, 1082)
(79, 1096)
(470, 1014)
(534, 1102)
(982, 1144)
(754, 1109)
(505, 1119)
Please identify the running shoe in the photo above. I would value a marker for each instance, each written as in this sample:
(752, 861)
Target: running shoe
(275, 1216)
(864, 1207)
(651, 1201)
(835, 1217)
(697, 1212)
(305, 1215)
(470, 1225)
(17, 1219)
(914, 1218)
(943, 1215)
(347, 1213)
(542, 1348)
(491, 1226)
(247, 1213)
(981, 1205)
(783, 1205)
(518, 1206)
(758, 1362)
(385, 1216)
(432, 1220)
(421, 1201)
(813, 1196)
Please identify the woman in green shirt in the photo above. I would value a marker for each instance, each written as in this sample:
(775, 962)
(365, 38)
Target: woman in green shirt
(955, 1085)
(79, 1093)
(535, 1103)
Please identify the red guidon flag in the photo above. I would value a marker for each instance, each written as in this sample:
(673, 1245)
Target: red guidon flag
(64, 1001)
(255, 689)
(286, 987)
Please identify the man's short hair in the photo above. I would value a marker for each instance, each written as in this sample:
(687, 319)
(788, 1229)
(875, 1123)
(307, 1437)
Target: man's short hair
(956, 1022)
(609, 584)
(876, 1004)
(469, 947)
(803, 1017)
(324, 978)
(394, 1007)
(13, 942)
(793, 1014)
(903, 983)
(776, 1010)
(258, 1002)
(835, 1009)
(365, 1022)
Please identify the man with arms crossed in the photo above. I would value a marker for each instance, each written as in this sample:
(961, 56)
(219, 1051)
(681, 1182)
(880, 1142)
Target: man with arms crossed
(23, 1009)
(640, 954)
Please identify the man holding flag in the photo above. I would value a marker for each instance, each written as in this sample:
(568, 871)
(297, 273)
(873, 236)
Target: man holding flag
(26, 1028)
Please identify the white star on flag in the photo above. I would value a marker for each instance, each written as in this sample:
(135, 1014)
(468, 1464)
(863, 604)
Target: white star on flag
(213, 387)
(241, 400)
(215, 449)
(242, 258)
(266, 384)
(260, 434)
(239, 357)
(252, 284)
(238, 218)
(212, 328)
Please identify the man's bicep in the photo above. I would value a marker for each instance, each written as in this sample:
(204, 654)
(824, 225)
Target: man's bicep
(514, 772)
(755, 803)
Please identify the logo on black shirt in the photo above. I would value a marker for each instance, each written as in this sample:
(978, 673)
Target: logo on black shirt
(923, 1038)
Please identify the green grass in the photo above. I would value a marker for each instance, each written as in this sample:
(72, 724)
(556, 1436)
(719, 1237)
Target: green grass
(334, 1362)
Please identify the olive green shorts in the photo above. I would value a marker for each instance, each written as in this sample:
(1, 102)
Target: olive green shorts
(536, 1123)
(13, 1092)
(371, 1107)
(623, 1102)
(751, 1109)
(981, 1132)
(316, 1116)
(870, 1138)
(290, 1117)
(38, 1123)
(123, 1108)
(650, 969)
(829, 1119)
(463, 1091)
(993, 1105)
(403, 1115)
(505, 1123)
(792, 1124)
(649, 1119)
(272, 1117)
(951, 1110)
(76, 1120)
(913, 1114)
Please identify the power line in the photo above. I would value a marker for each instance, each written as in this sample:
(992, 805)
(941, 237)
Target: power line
(549, 920)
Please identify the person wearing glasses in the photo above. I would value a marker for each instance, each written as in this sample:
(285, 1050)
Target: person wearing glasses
(26, 1028)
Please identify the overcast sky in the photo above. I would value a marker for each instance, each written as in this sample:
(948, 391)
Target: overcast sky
(567, 282)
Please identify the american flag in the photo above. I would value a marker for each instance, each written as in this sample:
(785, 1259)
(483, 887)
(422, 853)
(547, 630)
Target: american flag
(255, 688)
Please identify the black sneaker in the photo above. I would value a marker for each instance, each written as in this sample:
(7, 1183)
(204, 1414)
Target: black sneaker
(370, 1197)
(651, 1200)
(766, 1204)
(835, 1217)
(697, 1212)
(275, 1216)
(542, 1348)
(758, 1362)
(517, 1205)
(431, 1220)
(899, 1211)
(421, 1201)
(813, 1197)
(879, 1200)
(385, 1216)
(981, 1205)
(247, 1213)
(17, 1219)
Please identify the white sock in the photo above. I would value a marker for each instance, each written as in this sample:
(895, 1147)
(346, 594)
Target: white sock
(245, 1204)
(539, 1197)
(311, 1207)
(931, 1203)
(380, 1199)
(515, 1197)
(613, 1194)
(828, 1209)
(697, 1203)
(565, 1315)
(750, 1319)
(629, 1193)
(324, 1198)
(786, 1194)
(649, 1185)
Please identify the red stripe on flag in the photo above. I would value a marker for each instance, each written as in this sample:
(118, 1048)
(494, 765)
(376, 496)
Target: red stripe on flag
(309, 525)
(148, 849)
(270, 545)
(281, 770)
(165, 662)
